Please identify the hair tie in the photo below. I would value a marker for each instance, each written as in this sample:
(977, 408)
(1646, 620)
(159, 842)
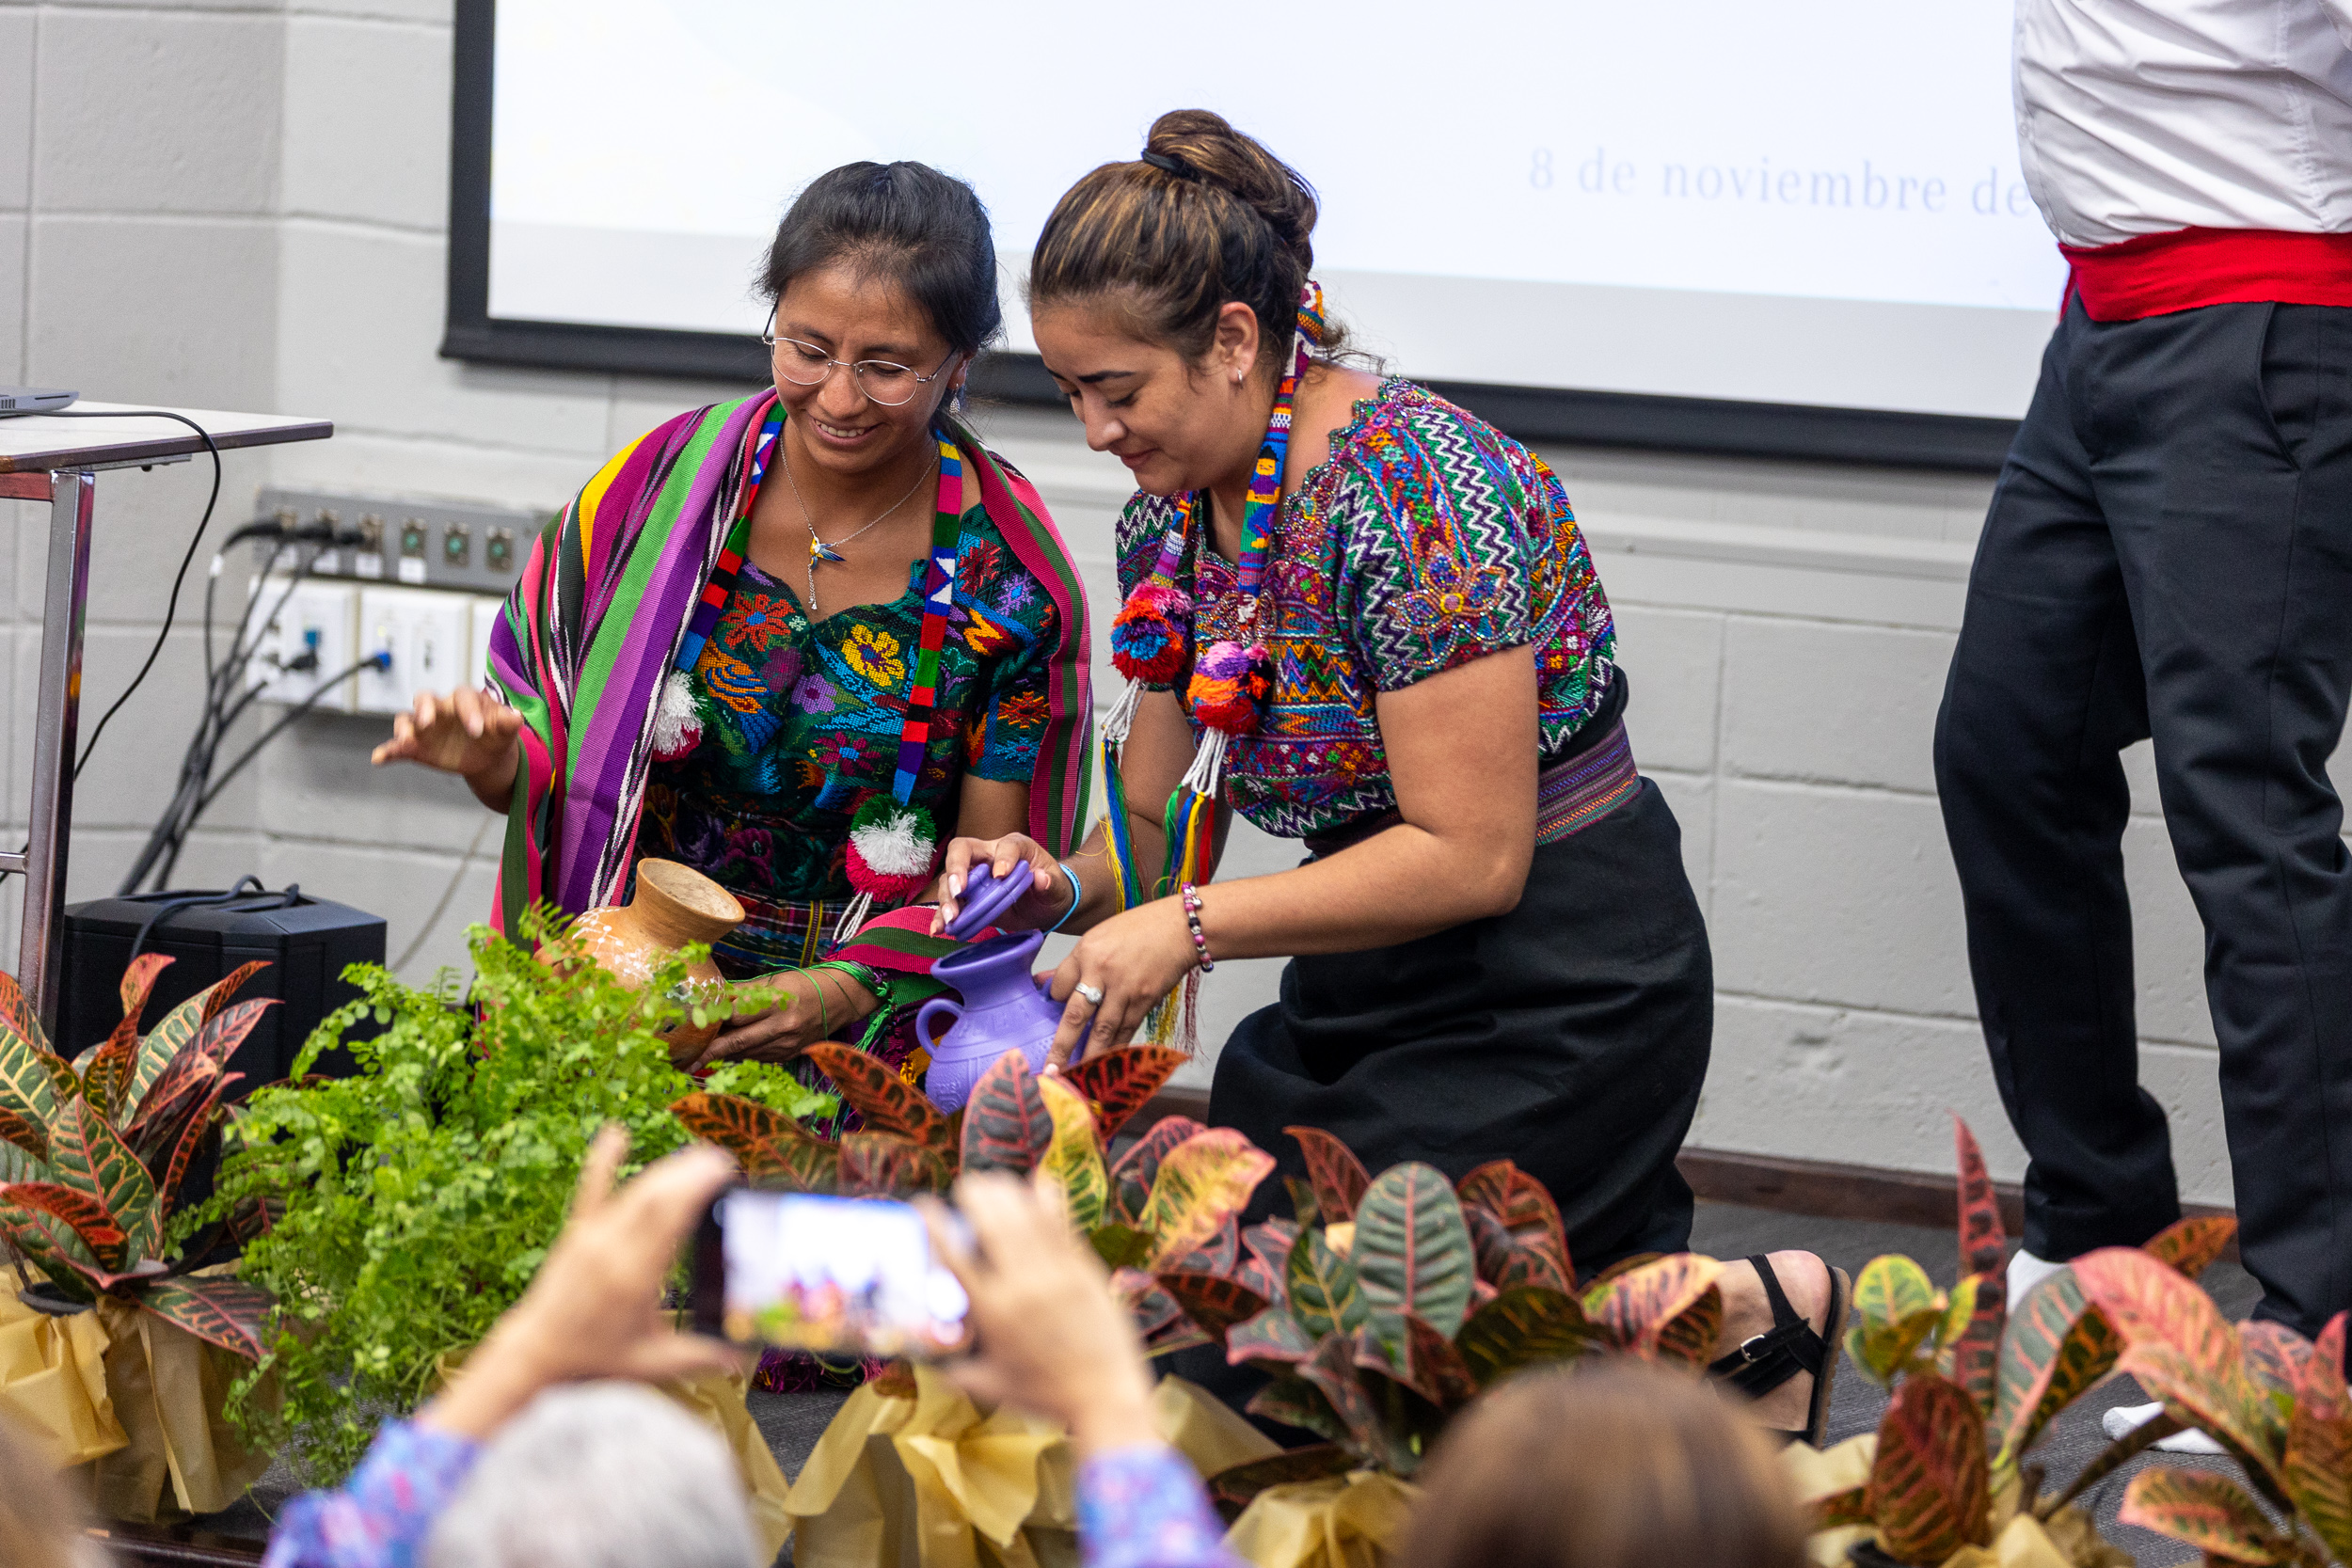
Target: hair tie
(1170, 163)
(1310, 313)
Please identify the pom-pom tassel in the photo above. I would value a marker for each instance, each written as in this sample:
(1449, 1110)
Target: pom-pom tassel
(853, 916)
(1118, 848)
(892, 846)
(1207, 772)
(1150, 635)
(1121, 717)
(677, 723)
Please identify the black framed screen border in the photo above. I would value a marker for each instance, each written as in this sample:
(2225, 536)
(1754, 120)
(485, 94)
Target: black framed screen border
(1700, 426)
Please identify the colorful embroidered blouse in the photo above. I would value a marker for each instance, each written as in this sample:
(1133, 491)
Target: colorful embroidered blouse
(800, 724)
(1426, 539)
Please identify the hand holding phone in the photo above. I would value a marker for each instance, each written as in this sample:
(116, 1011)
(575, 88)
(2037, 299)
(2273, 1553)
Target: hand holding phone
(1047, 1332)
(833, 1275)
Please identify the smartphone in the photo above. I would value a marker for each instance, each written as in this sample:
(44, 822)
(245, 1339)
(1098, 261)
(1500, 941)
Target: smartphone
(834, 1276)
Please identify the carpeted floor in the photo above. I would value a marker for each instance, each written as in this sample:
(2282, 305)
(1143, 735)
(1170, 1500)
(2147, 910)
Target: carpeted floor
(792, 1422)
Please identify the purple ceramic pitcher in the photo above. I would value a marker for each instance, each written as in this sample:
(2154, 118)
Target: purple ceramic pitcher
(1003, 1009)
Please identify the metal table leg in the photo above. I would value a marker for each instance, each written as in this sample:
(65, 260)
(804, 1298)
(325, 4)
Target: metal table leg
(40, 969)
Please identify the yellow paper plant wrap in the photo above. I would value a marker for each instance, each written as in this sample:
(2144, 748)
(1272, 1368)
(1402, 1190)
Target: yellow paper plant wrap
(52, 1380)
(1351, 1521)
(2065, 1540)
(135, 1398)
(718, 1399)
(168, 1387)
(911, 1475)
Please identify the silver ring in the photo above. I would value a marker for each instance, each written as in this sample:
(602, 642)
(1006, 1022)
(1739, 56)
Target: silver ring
(1093, 993)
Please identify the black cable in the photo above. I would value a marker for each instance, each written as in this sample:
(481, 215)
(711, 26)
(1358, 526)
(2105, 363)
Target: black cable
(212, 579)
(172, 606)
(223, 704)
(373, 661)
(171, 909)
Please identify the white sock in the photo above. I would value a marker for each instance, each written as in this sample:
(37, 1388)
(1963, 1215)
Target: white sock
(2025, 1271)
(2124, 1420)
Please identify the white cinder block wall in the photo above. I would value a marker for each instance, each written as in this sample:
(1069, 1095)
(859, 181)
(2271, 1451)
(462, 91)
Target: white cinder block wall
(243, 206)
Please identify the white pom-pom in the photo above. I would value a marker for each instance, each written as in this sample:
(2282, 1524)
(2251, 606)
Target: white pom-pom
(678, 725)
(898, 846)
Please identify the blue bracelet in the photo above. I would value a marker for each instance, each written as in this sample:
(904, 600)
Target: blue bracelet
(1076, 893)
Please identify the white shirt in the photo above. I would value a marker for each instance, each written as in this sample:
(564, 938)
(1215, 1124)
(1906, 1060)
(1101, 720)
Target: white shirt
(2135, 117)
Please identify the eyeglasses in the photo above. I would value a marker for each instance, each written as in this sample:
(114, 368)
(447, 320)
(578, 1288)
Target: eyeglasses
(884, 381)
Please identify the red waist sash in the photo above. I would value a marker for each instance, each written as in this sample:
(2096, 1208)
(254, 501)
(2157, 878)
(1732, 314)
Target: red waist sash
(2155, 275)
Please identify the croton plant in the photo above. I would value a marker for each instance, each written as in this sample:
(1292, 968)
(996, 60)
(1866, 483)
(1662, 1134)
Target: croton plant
(1164, 1204)
(2274, 1400)
(93, 1152)
(1975, 1385)
(1389, 1303)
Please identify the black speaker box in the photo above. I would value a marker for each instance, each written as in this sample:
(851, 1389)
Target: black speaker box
(306, 941)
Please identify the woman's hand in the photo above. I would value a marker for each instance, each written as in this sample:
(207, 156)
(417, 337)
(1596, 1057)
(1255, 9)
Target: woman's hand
(1134, 959)
(810, 1006)
(1013, 855)
(1047, 1334)
(594, 1309)
(468, 733)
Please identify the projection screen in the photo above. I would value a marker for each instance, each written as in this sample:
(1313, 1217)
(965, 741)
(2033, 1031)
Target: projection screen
(1706, 217)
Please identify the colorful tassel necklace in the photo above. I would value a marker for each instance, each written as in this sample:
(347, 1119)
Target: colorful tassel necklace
(894, 842)
(1153, 641)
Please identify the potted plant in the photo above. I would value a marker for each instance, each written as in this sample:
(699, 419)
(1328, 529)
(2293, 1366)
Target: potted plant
(1167, 1203)
(1975, 1385)
(2275, 1401)
(92, 1156)
(1389, 1303)
(414, 1199)
(1174, 1194)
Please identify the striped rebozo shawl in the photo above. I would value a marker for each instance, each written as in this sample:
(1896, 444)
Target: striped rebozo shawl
(581, 647)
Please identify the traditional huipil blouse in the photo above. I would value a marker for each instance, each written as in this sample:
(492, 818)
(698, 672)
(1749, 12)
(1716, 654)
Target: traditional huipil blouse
(800, 723)
(1425, 540)
(602, 610)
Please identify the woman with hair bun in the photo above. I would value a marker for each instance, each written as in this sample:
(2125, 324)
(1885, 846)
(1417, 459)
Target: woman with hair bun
(1365, 619)
(799, 639)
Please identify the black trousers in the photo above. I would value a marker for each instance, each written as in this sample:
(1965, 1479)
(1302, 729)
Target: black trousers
(1570, 1036)
(2169, 554)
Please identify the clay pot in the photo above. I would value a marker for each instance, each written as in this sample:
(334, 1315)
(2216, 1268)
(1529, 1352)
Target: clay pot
(674, 905)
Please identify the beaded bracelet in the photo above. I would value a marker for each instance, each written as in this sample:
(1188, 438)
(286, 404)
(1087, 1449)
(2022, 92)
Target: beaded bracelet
(1192, 919)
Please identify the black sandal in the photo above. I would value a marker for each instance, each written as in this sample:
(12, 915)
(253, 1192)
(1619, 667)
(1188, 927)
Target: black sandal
(1792, 1345)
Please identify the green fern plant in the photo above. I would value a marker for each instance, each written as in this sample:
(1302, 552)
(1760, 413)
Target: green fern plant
(412, 1201)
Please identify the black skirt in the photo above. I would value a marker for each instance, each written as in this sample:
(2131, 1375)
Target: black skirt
(1569, 1037)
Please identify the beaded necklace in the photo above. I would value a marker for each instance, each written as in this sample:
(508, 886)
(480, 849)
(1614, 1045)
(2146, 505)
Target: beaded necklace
(1153, 640)
(893, 842)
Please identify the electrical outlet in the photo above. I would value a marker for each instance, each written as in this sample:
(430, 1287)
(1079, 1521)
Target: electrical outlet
(311, 639)
(413, 543)
(428, 636)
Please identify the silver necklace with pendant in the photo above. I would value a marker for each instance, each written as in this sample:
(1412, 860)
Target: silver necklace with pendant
(818, 549)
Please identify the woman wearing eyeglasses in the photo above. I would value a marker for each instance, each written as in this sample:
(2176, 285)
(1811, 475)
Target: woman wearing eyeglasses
(797, 640)
(1365, 619)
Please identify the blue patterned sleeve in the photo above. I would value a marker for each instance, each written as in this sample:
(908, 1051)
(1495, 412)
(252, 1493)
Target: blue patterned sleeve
(1144, 1508)
(1436, 532)
(380, 1517)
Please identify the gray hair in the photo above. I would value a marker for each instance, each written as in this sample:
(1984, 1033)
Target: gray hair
(599, 1475)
